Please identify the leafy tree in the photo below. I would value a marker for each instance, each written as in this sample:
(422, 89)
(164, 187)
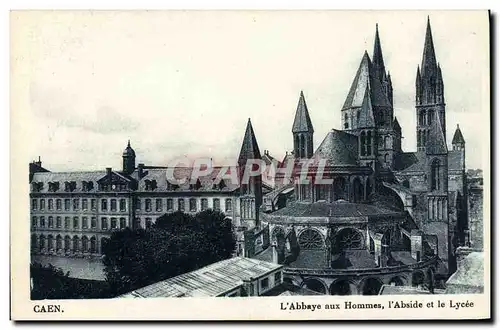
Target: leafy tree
(176, 244)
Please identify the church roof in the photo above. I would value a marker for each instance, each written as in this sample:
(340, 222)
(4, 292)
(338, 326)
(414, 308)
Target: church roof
(429, 63)
(249, 147)
(458, 138)
(302, 121)
(365, 81)
(378, 58)
(338, 148)
(436, 144)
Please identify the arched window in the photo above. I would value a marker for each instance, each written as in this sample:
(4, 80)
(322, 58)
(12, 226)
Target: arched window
(229, 205)
(435, 175)
(302, 146)
(419, 140)
(58, 242)
(67, 243)
(50, 242)
(386, 159)
(369, 143)
(422, 117)
(123, 223)
(75, 243)
(310, 239)
(368, 189)
(104, 223)
(42, 242)
(387, 142)
(85, 244)
(358, 114)
(296, 144)
(93, 245)
(430, 117)
(346, 120)
(349, 239)
(363, 143)
(340, 189)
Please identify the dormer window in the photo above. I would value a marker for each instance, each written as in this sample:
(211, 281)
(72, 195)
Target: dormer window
(150, 185)
(87, 185)
(196, 186)
(53, 186)
(37, 186)
(222, 185)
(69, 186)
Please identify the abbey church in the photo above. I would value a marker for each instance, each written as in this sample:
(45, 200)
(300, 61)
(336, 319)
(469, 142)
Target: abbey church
(390, 216)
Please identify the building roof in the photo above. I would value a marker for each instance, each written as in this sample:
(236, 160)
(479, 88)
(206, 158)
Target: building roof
(210, 281)
(302, 121)
(338, 148)
(429, 63)
(249, 147)
(311, 259)
(210, 182)
(288, 289)
(353, 259)
(458, 138)
(61, 177)
(364, 82)
(339, 209)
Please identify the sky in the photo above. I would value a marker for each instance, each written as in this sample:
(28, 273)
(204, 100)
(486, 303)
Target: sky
(183, 84)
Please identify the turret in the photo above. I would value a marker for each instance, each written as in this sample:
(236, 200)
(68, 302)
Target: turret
(458, 142)
(302, 130)
(128, 159)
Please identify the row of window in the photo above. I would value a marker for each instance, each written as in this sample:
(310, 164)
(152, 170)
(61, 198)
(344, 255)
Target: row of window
(41, 222)
(67, 243)
(193, 204)
(74, 204)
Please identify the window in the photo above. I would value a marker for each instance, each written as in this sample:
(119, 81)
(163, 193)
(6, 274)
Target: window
(58, 222)
(67, 243)
(159, 205)
(358, 116)
(42, 222)
(216, 204)
(58, 204)
(363, 143)
(113, 205)
(435, 175)
(42, 204)
(85, 244)
(51, 222)
(93, 222)
(93, 245)
(104, 223)
(51, 204)
(34, 204)
(430, 117)
(66, 204)
(229, 205)
(76, 204)
(58, 242)
(50, 242)
(34, 222)
(85, 204)
(310, 239)
(149, 223)
(170, 204)
(75, 222)
(113, 223)
(346, 121)
(75, 243)
(192, 205)
(66, 222)
(137, 204)
(84, 222)
(123, 223)
(148, 205)
(204, 204)
(349, 239)
(123, 205)
(93, 204)
(180, 203)
(104, 205)
(277, 278)
(369, 143)
(264, 283)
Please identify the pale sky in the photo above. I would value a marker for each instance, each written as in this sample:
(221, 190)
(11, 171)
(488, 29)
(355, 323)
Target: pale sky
(185, 83)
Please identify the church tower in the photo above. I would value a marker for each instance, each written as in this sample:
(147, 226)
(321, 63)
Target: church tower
(128, 159)
(431, 141)
(302, 130)
(250, 186)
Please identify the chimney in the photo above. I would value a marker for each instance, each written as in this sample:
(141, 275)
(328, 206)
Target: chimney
(248, 287)
(39, 162)
(140, 170)
(275, 253)
(108, 171)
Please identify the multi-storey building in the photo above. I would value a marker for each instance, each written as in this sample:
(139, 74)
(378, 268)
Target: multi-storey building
(73, 213)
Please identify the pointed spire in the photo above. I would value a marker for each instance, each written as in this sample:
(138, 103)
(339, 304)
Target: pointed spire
(378, 59)
(458, 138)
(302, 121)
(429, 63)
(396, 125)
(128, 144)
(249, 147)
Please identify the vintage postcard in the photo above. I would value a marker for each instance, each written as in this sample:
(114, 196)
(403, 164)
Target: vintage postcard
(250, 165)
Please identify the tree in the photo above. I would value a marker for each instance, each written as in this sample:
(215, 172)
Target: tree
(176, 244)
